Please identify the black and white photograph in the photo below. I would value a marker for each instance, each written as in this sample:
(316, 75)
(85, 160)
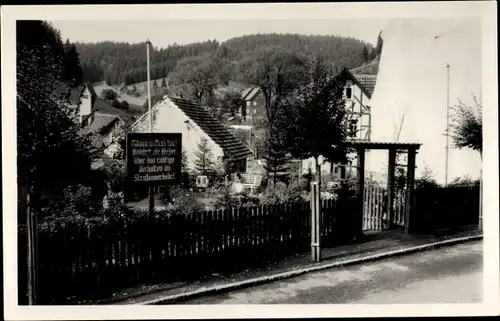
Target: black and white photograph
(224, 155)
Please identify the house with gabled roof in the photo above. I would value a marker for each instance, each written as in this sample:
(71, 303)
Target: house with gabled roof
(82, 98)
(104, 128)
(194, 122)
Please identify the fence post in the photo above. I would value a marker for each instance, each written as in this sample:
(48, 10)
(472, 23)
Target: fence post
(315, 222)
(481, 201)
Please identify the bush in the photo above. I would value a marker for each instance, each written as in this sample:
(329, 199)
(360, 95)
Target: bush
(72, 201)
(109, 94)
(125, 105)
(182, 201)
(283, 194)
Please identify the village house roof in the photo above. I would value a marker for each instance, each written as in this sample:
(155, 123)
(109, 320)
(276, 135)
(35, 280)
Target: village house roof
(231, 145)
(74, 94)
(100, 123)
(250, 93)
(367, 75)
(366, 84)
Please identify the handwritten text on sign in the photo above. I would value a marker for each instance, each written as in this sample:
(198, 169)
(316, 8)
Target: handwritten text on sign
(154, 158)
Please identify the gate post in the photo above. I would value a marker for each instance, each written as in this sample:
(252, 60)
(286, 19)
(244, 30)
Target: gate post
(410, 186)
(390, 187)
(315, 223)
(360, 192)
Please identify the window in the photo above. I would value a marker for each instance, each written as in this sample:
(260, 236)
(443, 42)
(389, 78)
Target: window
(354, 127)
(348, 92)
(255, 103)
(248, 102)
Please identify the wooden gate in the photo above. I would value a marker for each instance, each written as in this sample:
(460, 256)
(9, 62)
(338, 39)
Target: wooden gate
(375, 215)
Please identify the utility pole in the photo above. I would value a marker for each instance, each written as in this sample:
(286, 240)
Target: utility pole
(447, 123)
(151, 187)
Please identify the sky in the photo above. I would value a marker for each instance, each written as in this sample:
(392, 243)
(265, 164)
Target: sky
(182, 31)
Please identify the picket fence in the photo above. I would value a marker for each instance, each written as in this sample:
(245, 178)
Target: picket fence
(374, 211)
(83, 262)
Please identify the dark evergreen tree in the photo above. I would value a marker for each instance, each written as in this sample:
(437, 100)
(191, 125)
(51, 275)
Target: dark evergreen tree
(128, 61)
(366, 54)
(72, 71)
(204, 162)
(51, 152)
(380, 44)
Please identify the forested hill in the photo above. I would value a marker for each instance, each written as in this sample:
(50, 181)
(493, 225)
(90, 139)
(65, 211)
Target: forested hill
(118, 63)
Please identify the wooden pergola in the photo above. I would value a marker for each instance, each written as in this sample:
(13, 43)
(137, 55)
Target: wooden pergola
(393, 148)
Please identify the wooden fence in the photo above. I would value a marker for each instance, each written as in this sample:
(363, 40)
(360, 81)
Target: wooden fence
(374, 200)
(81, 262)
(442, 209)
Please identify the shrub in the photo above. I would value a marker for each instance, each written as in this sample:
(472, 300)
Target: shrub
(109, 94)
(125, 105)
(282, 194)
(182, 201)
(72, 201)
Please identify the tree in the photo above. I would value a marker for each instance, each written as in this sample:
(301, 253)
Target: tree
(109, 94)
(97, 57)
(51, 153)
(366, 54)
(125, 105)
(72, 71)
(276, 72)
(427, 179)
(199, 74)
(379, 45)
(466, 128)
(276, 164)
(184, 160)
(315, 123)
(228, 102)
(204, 162)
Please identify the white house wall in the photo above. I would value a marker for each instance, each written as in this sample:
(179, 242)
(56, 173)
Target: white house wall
(412, 82)
(85, 103)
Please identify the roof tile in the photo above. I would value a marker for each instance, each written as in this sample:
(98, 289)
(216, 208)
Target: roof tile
(231, 145)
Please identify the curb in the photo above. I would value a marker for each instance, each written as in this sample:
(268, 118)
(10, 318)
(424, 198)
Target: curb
(290, 274)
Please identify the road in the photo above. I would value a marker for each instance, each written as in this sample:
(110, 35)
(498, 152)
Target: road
(446, 275)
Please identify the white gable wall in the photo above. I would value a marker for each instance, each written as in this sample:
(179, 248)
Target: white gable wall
(412, 81)
(85, 103)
